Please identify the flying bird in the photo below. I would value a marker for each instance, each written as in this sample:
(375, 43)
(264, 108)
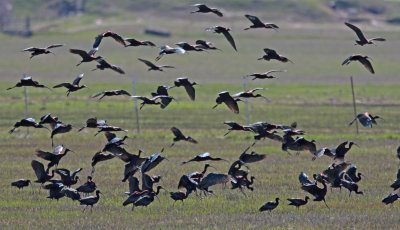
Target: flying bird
(272, 54)
(257, 23)
(60, 128)
(153, 66)
(162, 90)
(225, 97)
(105, 65)
(187, 47)
(180, 137)
(362, 59)
(86, 56)
(249, 93)
(205, 9)
(265, 75)
(153, 100)
(37, 51)
(203, 44)
(134, 42)
(54, 157)
(366, 119)
(93, 123)
(225, 32)
(27, 122)
(204, 157)
(363, 40)
(108, 33)
(74, 86)
(169, 50)
(111, 93)
(27, 81)
(184, 81)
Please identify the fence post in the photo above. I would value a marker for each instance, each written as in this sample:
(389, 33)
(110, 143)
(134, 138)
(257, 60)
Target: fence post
(136, 106)
(246, 101)
(354, 102)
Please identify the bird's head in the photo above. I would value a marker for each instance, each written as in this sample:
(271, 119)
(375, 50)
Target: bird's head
(84, 86)
(68, 150)
(307, 198)
(277, 199)
(352, 143)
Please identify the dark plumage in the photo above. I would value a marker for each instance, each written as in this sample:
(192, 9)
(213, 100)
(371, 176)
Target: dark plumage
(225, 32)
(27, 81)
(27, 122)
(134, 42)
(180, 137)
(109, 93)
(178, 196)
(153, 100)
(202, 8)
(86, 56)
(362, 59)
(59, 129)
(298, 201)
(105, 65)
(108, 33)
(225, 97)
(272, 54)
(363, 40)
(41, 174)
(257, 23)
(204, 157)
(37, 51)
(169, 50)
(269, 206)
(21, 183)
(74, 86)
(93, 123)
(53, 157)
(152, 66)
(90, 200)
(366, 119)
(184, 81)
(265, 75)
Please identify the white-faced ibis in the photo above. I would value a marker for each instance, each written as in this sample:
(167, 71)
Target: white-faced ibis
(225, 97)
(88, 187)
(108, 128)
(363, 40)
(190, 181)
(252, 157)
(184, 81)
(133, 185)
(48, 119)
(27, 81)
(162, 90)
(71, 193)
(303, 178)
(272, 54)
(333, 173)
(352, 175)
(243, 182)
(351, 186)
(108, 33)
(41, 174)
(86, 56)
(391, 198)
(99, 156)
(55, 190)
(265, 75)
(301, 144)
(27, 122)
(179, 196)
(113, 141)
(153, 66)
(257, 23)
(21, 183)
(146, 198)
(169, 50)
(111, 93)
(37, 51)
(152, 161)
(53, 157)
(249, 93)
(133, 197)
(59, 129)
(366, 119)
(90, 200)
(134, 42)
(235, 169)
(204, 157)
(149, 181)
(93, 123)
(153, 100)
(235, 126)
(205, 45)
(270, 205)
(225, 32)
(298, 201)
(180, 137)
(362, 59)
(341, 150)
(67, 178)
(187, 47)
(317, 192)
(103, 64)
(212, 179)
(202, 8)
(74, 86)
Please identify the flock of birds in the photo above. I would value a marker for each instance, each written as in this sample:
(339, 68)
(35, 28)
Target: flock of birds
(338, 174)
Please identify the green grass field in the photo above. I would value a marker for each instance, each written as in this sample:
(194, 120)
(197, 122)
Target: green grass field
(315, 92)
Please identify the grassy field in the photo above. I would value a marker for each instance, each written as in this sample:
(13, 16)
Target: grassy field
(315, 92)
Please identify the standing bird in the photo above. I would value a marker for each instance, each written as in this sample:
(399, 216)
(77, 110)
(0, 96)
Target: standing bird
(21, 183)
(184, 81)
(27, 81)
(298, 201)
(111, 93)
(86, 56)
(205, 45)
(178, 196)
(153, 100)
(74, 86)
(41, 174)
(264, 75)
(108, 33)
(105, 65)
(225, 32)
(134, 42)
(269, 206)
(225, 97)
(363, 40)
(249, 93)
(93, 123)
(204, 157)
(37, 51)
(351, 186)
(366, 119)
(169, 50)
(257, 23)
(27, 122)
(352, 175)
(362, 59)
(153, 66)
(272, 54)
(205, 9)
(90, 200)
(53, 157)
(59, 129)
(180, 137)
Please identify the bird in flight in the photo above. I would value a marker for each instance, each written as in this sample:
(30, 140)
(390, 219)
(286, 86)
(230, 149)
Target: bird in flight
(37, 51)
(362, 59)
(205, 9)
(225, 32)
(257, 23)
(363, 40)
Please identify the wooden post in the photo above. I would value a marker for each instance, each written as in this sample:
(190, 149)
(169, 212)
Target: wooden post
(354, 102)
(246, 101)
(26, 108)
(136, 107)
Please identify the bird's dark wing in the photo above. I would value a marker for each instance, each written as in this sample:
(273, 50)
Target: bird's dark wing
(66, 85)
(177, 132)
(255, 20)
(38, 168)
(81, 53)
(78, 79)
(148, 63)
(110, 136)
(229, 37)
(271, 52)
(367, 64)
(44, 155)
(117, 69)
(162, 90)
(232, 105)
(357, 30)
(378, 39)
(54, 46)
(190, 91)
(347, 61)
(273, 71)
(98, 94)
(63, 172)
(115, 36)
(202, 7)
(143, 98)
(31, 49)
(97, 41)
(124, 92)
(75, 172)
